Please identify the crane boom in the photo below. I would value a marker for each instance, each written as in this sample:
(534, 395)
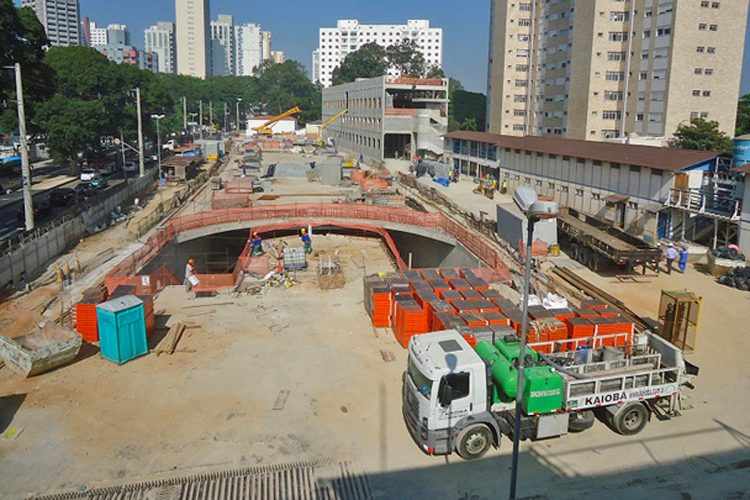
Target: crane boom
(266, 129)
(332, 119)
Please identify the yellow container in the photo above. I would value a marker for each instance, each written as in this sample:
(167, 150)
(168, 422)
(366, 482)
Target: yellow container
(554, 250)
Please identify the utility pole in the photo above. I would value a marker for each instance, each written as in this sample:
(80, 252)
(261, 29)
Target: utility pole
(28, 206)
(211, 114)
(122, 148)
(142, 167)
(226, 112)
(200, 122)
(184, 113)
(239, 99)
(158, 142)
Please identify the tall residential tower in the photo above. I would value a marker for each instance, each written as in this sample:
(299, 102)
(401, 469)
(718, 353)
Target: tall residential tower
(349, 35)
(160, 40)
(61, 20)
(603, 69)
(193, 38)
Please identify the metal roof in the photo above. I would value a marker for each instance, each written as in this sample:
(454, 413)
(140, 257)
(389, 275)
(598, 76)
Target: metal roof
(668, 159)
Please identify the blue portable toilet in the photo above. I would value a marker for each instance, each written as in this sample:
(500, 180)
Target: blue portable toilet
(122, 329)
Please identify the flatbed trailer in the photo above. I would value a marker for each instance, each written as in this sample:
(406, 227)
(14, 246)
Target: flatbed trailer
(458, 398)
(591, 241)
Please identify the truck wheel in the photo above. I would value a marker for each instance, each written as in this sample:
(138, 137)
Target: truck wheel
(580, 421)
(473, 442)
(630, 419)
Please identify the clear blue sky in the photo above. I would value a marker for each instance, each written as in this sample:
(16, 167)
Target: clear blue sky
(295, 23)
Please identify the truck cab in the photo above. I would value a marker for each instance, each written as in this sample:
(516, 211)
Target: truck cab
(444, 390)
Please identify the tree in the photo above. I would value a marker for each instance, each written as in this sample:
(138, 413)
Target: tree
(406, 58)
(282, 86)
(435, 72)
(368, 61)
(743, 115)
(72, 126)
(702, 135)
(469, 123)
(22, 40)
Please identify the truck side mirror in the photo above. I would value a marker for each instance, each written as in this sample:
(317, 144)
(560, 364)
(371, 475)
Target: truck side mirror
(445, 394)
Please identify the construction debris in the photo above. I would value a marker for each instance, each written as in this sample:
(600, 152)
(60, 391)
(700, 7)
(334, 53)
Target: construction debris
(169, 343)
(330, 274)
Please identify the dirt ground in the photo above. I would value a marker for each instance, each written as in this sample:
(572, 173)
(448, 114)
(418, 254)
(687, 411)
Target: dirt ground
(297, 373)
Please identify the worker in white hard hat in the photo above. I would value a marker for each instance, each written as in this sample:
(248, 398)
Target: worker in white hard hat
(671, 255)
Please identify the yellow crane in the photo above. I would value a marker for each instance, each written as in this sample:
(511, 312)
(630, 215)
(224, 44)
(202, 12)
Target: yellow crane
(266, 128)
(330, 121)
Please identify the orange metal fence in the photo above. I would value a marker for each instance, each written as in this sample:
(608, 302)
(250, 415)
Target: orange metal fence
(473, 242)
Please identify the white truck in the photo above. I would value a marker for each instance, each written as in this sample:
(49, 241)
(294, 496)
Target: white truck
(460, 398)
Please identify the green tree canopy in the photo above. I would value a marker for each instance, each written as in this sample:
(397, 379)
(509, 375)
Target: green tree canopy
(22, 40)
(368, 61)
(406, 58)
(743, 115)
(702, 135)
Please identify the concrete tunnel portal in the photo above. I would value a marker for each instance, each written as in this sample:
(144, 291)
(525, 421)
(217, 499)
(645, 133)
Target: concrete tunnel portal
(218, 252)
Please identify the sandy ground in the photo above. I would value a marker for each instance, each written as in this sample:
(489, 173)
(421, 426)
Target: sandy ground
(211, 405)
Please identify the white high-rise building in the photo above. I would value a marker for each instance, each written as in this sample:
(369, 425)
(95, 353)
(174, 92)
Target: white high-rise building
(160, 40)
(61, 20)
(97, 36)
(349, 35)
(193, 38)
(249, 48)
(266, 45)
(223, 50)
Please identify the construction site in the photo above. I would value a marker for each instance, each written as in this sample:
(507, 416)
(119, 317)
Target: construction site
(253, 334)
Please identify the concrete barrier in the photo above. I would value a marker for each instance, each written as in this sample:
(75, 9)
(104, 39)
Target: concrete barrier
(28, 258)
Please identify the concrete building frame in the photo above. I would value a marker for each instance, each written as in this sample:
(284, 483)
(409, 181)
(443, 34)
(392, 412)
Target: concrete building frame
(388, 117)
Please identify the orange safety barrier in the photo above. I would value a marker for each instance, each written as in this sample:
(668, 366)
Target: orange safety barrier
(473, 242)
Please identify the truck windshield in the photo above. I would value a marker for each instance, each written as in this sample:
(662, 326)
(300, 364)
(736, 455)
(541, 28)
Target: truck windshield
(423, 384)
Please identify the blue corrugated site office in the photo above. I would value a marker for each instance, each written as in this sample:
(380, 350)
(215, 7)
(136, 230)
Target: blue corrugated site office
(122, 329)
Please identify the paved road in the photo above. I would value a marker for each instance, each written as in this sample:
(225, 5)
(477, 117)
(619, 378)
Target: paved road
(12, 203)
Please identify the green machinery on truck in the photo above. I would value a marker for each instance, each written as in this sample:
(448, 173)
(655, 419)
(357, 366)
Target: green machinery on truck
(461, 398)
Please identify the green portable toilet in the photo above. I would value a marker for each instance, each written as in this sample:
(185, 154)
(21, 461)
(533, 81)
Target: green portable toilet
(122, 329)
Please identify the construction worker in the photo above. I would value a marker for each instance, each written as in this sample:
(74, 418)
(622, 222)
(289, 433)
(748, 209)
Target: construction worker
(59, 277)
(256, 245)
(671, 255)
(682, 264)
(66, 273)
(189, 274)
(306, 240)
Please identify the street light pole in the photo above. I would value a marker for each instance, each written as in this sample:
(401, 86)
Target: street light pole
(184, 113)
(200, 122)
(226, 113)
(239, 100)
(141, 165)
(28, 206)
(524, 333)
(158, 142)
(211, 115)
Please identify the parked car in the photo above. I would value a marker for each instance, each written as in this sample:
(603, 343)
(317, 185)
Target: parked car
(98, 182)
(87, 174)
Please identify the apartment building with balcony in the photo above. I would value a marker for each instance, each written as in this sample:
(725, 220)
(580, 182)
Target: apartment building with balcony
(61, 20)
(388, 116)
(608, 69)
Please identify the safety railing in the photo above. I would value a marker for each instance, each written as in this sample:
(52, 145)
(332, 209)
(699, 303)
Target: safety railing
(473, 242)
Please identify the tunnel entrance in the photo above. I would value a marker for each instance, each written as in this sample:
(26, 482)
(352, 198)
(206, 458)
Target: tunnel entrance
(213, 254)
(429, 253)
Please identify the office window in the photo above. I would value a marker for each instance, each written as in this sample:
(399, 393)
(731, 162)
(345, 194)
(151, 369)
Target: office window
(618, 36)
(713, 27)
(643, 75)
(706, 93)
(705, 3)
(615, 76)
(700, 49)
(619, 16)
(702, 27)
(711, 50)
(639, 117)
(714, 5)
(617, 56)
(611, 115)
(696, 93)
(698, 71)
(708, 71)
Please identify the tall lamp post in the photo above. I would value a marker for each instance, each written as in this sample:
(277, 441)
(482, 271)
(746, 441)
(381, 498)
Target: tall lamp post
(535, 210)
(158, 142)
(28, 208)
(141, 165)
(239, 100)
